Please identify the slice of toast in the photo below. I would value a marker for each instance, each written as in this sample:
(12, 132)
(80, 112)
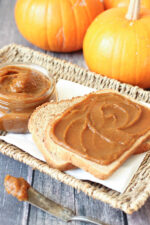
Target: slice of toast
(37, 125)
(99, 171)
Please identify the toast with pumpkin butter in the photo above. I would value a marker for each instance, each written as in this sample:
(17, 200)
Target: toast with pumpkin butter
(38, 122)
(99, 133)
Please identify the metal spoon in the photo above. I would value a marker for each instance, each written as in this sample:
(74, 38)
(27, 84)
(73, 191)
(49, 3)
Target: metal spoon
(37, 199)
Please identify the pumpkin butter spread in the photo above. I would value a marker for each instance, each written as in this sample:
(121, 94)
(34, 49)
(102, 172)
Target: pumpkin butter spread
(101, 127)
(21, 90)
(17, 187)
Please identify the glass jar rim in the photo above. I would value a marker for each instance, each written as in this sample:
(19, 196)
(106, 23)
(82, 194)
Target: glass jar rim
(37, 68)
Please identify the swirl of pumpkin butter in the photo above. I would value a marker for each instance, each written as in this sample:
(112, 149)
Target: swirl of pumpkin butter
(101, 127)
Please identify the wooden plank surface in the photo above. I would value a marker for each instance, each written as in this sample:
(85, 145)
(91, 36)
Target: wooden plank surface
(78, 202)
(13, 212)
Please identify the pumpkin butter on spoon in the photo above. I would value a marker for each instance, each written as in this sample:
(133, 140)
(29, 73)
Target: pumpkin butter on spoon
(18, 187)
(22, 89)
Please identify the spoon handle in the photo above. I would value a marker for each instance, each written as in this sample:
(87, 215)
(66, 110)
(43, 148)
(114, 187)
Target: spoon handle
(86, 219)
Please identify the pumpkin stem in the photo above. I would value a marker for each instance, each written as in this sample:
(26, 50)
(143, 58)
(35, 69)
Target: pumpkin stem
(133, 10)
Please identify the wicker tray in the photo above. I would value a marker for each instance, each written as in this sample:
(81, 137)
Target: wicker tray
(139, 189)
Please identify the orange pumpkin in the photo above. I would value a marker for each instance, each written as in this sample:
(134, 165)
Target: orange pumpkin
(124, 3)
(56, 25)
(118, 45)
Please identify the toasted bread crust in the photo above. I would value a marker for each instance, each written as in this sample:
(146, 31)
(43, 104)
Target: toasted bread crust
(51, 159)
(33, 115)
(144, 147)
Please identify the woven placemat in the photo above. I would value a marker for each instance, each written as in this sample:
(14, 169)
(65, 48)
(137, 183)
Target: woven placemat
(139, 189)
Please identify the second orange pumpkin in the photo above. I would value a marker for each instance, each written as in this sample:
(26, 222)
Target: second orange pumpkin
(117, 45)
(124, 3)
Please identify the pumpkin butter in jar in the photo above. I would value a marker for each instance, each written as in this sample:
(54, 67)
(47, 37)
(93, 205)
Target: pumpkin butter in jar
(23, 87)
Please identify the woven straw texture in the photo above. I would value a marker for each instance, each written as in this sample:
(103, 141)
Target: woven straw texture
(139, 189)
